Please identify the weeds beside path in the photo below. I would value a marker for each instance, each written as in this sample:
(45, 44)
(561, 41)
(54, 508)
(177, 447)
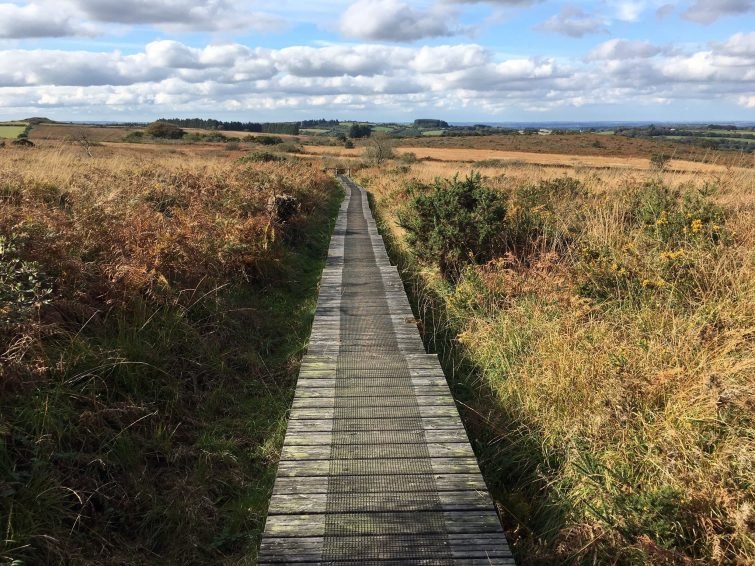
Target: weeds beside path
(603, 358)
(152, 314)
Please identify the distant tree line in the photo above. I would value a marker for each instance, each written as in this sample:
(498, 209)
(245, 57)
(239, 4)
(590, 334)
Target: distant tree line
(731, 138)
(321, 123)
(428, 123)
(291, 128)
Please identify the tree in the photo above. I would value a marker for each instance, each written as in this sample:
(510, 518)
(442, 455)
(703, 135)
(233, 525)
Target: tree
(379, 148)
(360, 131)
(82, 139)
(164, 130)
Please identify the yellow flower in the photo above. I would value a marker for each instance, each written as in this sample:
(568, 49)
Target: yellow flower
(696, 225)
(663, 219)
(614, 266)
(672, 255)
(647, 283)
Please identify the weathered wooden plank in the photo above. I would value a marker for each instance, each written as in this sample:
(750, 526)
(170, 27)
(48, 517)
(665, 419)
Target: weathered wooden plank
(311, 525)
(370, 401)
(310, 438)
(374, 467)
(327, 425)
(461, 547)
(365, 484)
(433, 449)
(303, 503)
(375, 413)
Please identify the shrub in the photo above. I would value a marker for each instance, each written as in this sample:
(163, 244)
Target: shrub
(232, 145)
(262, 157)
(540, 216)
(164, 130)
(658, 161)
(134, 136)
(348, 144)
(454, 222)
(409, 157)
(290, 147)
(268, 140)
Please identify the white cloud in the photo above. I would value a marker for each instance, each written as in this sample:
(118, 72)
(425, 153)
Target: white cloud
(61, 18)
(574, 22)
(394, 20)
(624, 49)
(34, 21)
(708, 11)
(170, 76)
(629, 10)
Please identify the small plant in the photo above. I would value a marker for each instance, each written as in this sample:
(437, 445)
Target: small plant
(659, 161)
(454, 222)
(262, 157)
(23, 288)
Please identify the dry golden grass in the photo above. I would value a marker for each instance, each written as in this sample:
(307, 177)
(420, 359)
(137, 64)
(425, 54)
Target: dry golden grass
(454, 156)
(615, 362)
(152, 310)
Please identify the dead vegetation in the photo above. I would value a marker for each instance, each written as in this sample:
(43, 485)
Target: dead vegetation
(151, 315)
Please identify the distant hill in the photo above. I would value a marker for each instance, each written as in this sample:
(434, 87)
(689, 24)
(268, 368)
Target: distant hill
(38, 120)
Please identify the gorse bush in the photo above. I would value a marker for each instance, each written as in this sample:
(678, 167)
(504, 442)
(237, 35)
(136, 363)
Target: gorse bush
(664, 237)
(454, 222)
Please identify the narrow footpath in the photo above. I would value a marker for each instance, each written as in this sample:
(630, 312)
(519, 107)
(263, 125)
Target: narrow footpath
(376, 466)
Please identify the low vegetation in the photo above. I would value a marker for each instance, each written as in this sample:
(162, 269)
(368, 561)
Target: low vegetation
(152, 312)
(602, 350)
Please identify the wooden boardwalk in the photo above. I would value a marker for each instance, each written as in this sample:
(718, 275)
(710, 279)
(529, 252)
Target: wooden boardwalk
(376, 466)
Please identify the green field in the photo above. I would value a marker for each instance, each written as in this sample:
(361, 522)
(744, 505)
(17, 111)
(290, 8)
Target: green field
(11, 131)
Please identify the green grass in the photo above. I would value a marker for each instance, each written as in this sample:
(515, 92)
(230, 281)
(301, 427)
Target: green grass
(11, 131)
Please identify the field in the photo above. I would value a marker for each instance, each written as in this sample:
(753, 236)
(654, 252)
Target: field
(602, 351)
(153, 309)
(11, 130)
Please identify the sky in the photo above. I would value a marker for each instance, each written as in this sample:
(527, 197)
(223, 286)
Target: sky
(378, 60)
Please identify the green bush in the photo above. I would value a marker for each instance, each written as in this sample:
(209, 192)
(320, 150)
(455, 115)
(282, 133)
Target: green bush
(164, 130)
(268, 140)
(261, 157)
(23, 288)
(454, 222)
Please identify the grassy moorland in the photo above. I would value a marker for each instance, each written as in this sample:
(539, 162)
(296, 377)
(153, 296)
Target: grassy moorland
(152, 311)
(601, 343)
